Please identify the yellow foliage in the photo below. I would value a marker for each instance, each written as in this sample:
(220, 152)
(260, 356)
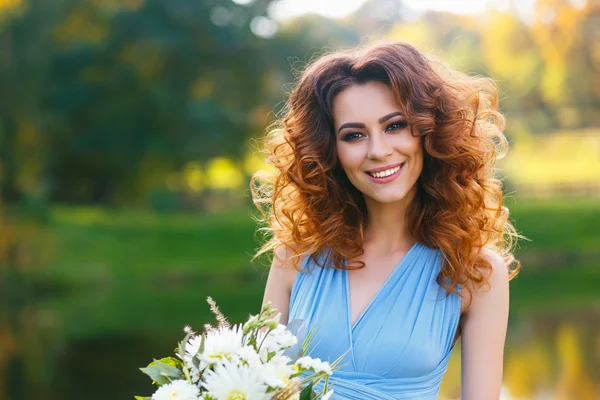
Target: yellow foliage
(8, 4)
(555, 32)
(223, 173)
(555, 28)
(416, 33)
(562, 157)
(194, 176)
(255, 162)
(526, 370)
(508, 62)
(573, 381)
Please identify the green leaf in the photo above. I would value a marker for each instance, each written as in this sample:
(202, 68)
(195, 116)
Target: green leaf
(196, 362)
(168, 370)
(201, 350)
(307, 392)
(172, 361)
(142, 398)
(164, 370)
(153, 372)
(181, 347)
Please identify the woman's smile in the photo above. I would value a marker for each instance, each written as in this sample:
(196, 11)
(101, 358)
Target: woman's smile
(385, 175)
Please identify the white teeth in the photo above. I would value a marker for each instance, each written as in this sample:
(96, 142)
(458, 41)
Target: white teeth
(387, 172)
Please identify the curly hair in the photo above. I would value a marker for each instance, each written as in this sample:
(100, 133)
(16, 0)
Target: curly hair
(309, 205)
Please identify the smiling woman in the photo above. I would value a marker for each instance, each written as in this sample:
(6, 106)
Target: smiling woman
(378, 149)
(387, 223)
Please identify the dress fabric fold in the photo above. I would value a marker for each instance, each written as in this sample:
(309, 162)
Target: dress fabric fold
(400, 345)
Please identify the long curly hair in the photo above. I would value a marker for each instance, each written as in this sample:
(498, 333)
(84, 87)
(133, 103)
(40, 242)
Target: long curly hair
(309, 205)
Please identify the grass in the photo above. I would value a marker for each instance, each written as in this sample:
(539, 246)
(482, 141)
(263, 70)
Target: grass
(91, 245)
(557, 225)
(103, 246)
(555, 289)
(122, 271)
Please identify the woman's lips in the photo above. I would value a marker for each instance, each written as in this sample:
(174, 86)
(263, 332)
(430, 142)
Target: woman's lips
(388, 178)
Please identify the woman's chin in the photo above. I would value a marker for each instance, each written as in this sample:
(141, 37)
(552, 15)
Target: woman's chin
(387, 198)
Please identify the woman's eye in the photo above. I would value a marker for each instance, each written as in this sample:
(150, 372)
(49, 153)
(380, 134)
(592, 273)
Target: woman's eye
(394, 126)
(351, 136)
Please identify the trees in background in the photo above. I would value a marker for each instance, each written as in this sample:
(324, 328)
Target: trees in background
(112, 101)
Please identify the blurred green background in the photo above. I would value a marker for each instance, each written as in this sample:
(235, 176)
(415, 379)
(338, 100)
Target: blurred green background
(127, 140)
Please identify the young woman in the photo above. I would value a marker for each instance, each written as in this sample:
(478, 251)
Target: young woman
(387, 224)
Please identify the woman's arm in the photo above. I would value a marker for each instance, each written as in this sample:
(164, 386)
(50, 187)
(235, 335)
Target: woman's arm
(279, 282)
(484, 333)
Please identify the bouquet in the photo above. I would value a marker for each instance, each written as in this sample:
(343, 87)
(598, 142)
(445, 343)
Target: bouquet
(260, 359)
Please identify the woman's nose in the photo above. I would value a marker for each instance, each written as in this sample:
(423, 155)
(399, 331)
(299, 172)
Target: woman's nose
(379, 147)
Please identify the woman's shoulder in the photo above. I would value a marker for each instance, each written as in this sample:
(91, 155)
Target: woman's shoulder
(495, 277)
(498, 274)
(286, 263)
(281, 278)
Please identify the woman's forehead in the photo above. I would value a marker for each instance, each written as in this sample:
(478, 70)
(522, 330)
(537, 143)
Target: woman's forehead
(364, 102)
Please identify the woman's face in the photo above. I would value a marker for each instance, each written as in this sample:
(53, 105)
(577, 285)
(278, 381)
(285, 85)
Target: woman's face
(374, 144)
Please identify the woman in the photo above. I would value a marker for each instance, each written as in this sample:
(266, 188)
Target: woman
(387, 224)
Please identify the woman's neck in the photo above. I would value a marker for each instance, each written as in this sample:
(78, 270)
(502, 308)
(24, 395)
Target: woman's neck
(386, 229)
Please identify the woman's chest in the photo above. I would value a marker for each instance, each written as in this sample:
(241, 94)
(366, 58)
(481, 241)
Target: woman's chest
(363, 286)
(391, 346)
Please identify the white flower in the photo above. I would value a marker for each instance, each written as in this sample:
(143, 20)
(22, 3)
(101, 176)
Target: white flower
(327, 395)
(276, 341)
(276, 373)
(314, 364)
(221, 344)
(229, 381)
(177, 390)
(249, 356)
(192, 347)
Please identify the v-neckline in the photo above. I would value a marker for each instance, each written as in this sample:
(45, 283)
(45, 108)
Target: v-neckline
(385, 283)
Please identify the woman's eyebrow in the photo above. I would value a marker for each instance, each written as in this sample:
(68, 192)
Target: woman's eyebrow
(361, 125)
(388, 116)
(351, 125)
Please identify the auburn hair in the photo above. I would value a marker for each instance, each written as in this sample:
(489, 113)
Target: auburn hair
(309, 205)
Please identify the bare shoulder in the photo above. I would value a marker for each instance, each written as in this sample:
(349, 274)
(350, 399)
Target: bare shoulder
(497, 280)
(281, 277)
(286, 264)
(498, 275)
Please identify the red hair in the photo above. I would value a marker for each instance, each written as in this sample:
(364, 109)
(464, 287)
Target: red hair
(309, 204)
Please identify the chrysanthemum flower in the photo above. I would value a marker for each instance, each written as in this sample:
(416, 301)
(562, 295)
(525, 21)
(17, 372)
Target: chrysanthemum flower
(248, 355)
(192, 347)
(276, 341)
(231, 381)
(177, 390)
(314, 364)
(276, 373)
(221, 344)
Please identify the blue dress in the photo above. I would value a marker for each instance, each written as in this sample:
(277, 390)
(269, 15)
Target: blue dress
(400, 346)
